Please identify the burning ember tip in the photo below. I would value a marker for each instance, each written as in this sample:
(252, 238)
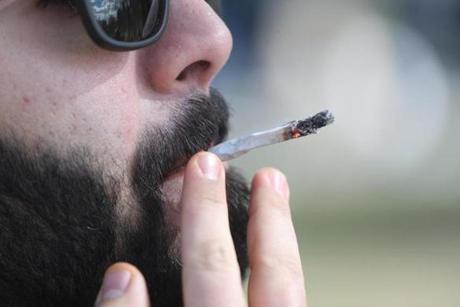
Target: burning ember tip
(311, 124)
(292, 130)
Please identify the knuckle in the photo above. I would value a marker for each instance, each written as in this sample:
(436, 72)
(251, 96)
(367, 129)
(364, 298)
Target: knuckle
(211, 201)
(292, 295)
(288, 266)
(216, 255)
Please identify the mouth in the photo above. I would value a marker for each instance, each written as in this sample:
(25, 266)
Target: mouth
(172, 183)
(201, 123)
(181, 162)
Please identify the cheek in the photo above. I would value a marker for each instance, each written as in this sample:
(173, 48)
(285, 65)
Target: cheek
(98, 109)
(109, 115)
(57, 86)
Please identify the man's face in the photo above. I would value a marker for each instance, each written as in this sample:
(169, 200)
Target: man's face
(58, 87)
(90, 141)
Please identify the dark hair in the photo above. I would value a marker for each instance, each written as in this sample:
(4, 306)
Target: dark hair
(59, 222)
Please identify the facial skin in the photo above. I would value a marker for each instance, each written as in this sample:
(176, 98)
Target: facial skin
(88, 138)
(57, 86)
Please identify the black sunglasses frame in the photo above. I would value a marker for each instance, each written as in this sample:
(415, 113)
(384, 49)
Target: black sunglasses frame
(101, 38)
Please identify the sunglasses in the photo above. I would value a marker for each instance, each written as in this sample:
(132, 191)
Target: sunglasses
(123, 25)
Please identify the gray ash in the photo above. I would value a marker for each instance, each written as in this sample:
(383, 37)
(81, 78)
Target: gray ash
(312, 124)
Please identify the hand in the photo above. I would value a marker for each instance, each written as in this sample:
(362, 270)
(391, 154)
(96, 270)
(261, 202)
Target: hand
(210, 270)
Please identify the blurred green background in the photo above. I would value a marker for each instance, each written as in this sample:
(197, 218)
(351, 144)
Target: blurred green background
(376, 196)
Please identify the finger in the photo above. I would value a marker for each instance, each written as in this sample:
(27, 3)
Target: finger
(276, 271)
(211, 276)
(123, 286)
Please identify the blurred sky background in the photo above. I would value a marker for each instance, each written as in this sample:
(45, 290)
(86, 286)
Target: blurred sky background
(376, 196)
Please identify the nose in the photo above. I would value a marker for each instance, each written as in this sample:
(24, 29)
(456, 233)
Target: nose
(194, 47)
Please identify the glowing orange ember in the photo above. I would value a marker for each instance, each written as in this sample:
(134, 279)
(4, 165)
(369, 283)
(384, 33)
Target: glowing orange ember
(296, 134)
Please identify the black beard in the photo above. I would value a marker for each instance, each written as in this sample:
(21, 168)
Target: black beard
(58, 214)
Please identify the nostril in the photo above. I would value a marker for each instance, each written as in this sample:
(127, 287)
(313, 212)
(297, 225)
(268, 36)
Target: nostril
(194, 70)
(181, 76)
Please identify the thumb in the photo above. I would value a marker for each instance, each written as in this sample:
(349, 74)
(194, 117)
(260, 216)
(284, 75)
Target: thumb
(123, 286)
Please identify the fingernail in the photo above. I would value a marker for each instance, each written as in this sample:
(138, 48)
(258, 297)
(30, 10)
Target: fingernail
(115, 285)
(278, 182)
(209, 165)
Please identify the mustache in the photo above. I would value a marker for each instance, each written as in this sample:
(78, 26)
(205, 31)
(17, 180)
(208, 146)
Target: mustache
(198, 123)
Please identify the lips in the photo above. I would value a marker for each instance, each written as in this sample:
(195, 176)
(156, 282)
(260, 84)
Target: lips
(196, 125)
(186, 146)
(171, 187)
(181, 162)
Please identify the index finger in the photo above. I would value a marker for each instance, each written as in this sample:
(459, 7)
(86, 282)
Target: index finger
(211, 275)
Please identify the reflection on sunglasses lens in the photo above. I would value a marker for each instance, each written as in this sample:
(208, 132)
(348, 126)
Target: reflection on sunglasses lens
(127, 20)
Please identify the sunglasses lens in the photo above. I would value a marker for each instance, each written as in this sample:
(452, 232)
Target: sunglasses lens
(128, 20)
